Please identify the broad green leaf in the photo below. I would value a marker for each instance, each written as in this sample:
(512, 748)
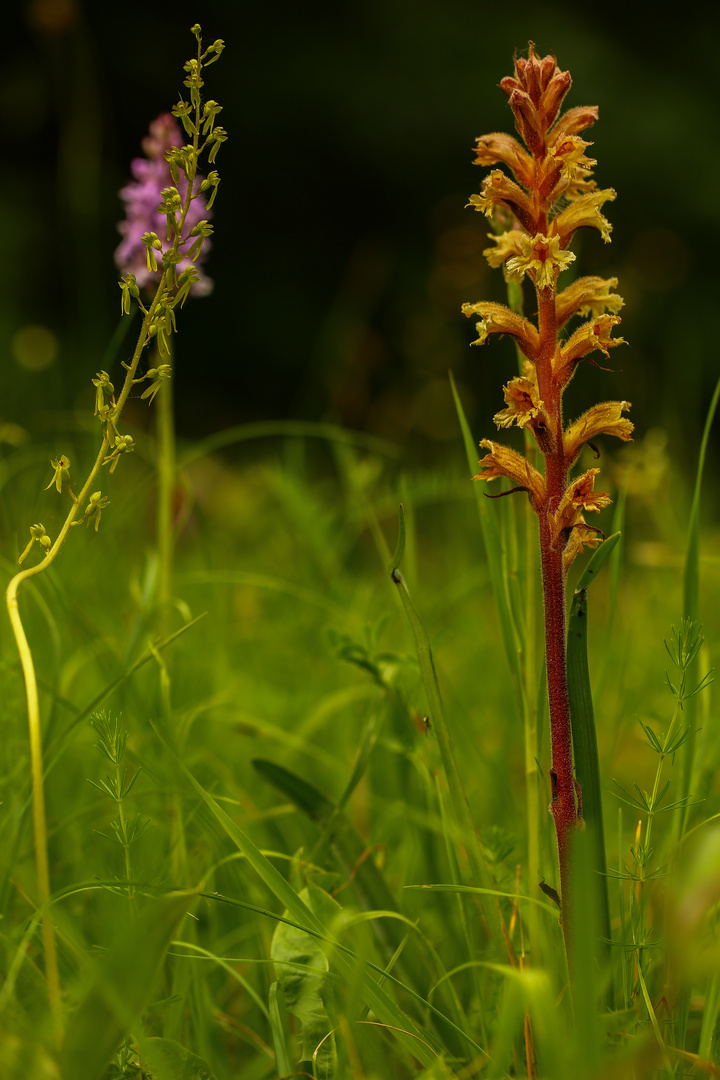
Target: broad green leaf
(303, 990)
(123, 982)
(376, 997)
(171, 1061)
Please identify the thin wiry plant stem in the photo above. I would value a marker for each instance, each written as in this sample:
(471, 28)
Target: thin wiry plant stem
(31, 687)
(166, 471)
(167, 280)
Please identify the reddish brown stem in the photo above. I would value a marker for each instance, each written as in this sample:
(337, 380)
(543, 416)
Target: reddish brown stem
(562, 807)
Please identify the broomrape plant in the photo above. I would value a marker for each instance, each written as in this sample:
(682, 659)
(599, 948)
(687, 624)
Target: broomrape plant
(551, 196)
(168, 268)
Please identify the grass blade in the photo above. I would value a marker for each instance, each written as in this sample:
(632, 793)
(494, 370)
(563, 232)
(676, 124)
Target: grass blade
(691, 605)
(587, 766)
(375, 996)
(495, 552)
(438, 723)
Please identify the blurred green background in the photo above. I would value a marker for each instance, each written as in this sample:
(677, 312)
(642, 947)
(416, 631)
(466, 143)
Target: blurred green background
(343, 250)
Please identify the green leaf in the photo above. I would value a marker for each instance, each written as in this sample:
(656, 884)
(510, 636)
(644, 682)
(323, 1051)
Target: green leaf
(303, 989)
(348, 850)
(171, 1061)
(585, 751)
(375, 996)
(597, 561)
(123, 982)
(691, 610)
(306, 797)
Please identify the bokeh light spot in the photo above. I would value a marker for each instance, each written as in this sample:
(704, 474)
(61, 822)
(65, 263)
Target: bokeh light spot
(34, 347)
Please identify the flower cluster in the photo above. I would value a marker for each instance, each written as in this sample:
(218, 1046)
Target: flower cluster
(550, 196)
(147, 201)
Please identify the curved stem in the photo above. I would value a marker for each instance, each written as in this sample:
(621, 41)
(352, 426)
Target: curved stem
(31, 687)
(39, 821)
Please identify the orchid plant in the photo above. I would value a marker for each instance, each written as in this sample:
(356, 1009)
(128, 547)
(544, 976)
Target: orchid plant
(548, 198)
(165, 239)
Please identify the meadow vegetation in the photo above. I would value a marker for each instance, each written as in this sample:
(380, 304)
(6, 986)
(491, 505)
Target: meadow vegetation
(296, 781)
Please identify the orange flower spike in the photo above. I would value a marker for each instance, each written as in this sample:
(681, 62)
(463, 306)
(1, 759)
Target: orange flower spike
(552, 196)
(536, 94)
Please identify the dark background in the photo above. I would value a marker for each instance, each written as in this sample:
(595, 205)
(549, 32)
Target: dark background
(343, 250)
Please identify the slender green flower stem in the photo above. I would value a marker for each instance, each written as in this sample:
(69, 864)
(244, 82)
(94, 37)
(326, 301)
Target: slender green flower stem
(31, 687)
(166, 471)
(107, 446)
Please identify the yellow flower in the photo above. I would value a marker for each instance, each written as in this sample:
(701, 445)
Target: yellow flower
(574, 120)
(587, 296)
(524, 406)
(501, 147)
(581, 536)
(499, 190)
(569, 155)
(541, 258)
(60, 466)
(502, 461)
(506, 245)
(498, 319)
(584, 213)
(580, 495)
(603, 419)
(595, 334)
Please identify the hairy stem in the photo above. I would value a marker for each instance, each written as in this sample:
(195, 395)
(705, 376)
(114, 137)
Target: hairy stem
(562, 808)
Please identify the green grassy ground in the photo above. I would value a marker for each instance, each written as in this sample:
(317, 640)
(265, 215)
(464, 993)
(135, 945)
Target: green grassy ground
(301, 659)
